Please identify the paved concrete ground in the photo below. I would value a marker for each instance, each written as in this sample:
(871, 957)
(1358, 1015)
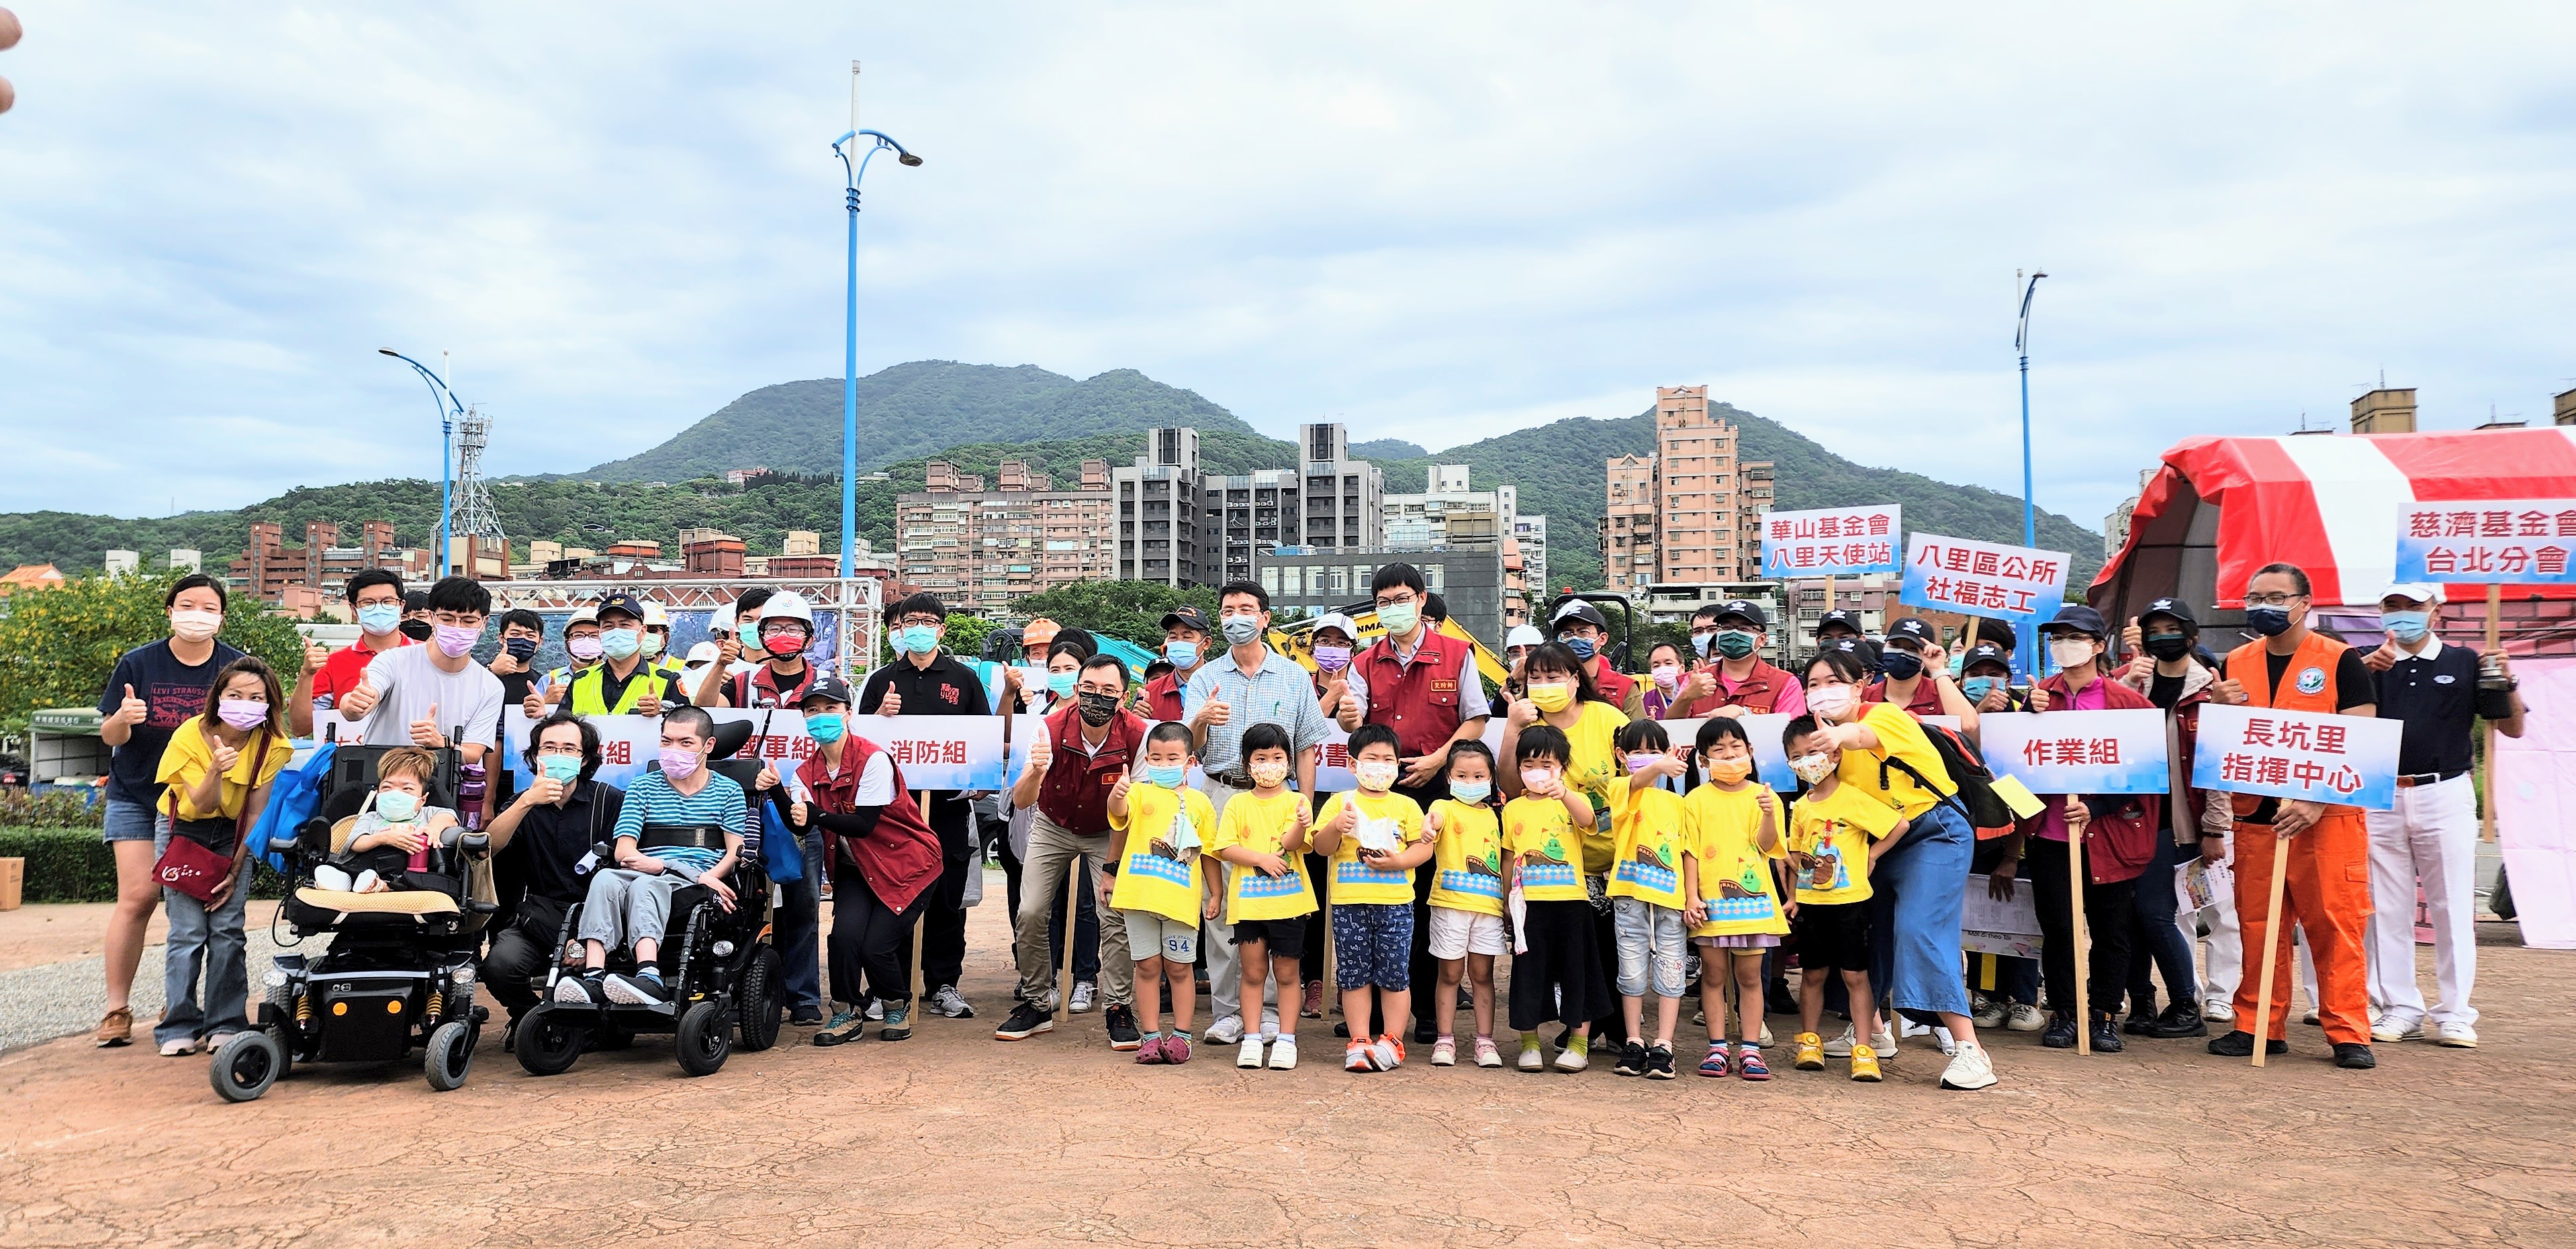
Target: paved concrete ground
(952, 1138)
(53, 978)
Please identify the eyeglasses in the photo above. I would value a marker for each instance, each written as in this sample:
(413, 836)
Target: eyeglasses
(928, 622)
(1397, 600)
(2272, 600)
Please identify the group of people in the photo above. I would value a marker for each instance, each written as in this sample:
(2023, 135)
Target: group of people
(1612, 864)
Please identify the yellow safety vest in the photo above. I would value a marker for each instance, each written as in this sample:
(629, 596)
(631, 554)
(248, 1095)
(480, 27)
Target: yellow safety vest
(587, 697)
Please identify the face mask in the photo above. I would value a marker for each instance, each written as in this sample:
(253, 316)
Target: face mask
(1240, 629)
(1060, 684)
(1471, 792)
(2271, 622)
(561, 768)
(1729, 771)
(1901, 665)
(396, 806)
(242, 713)
(582, 647)
(1976, 688)
(1097, 708)
(1700, 641)
(619, 643)
(521, 649)
(1267, 775)
(826, 726)
(1332, 658)
(1537, 778)
(1734, 643)
(651, 644)
(380, 618)
(1668, 675)
(1551, 696)
(2409, 627)
(2168, 646)
(1832, 702)
(784, 645)
(2070, 652)
(1182, 654)
(1375, 776)
(1399, 617)
(1165, 777)
(456, 641)
(1643, 760)
(1812, 769)
(191, 625)
(416, 630)
(1583, 648)
(678, 764)
(918, 639)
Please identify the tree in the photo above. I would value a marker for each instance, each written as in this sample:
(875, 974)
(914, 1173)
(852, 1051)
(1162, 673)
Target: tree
(1130, 611)
(58, 646)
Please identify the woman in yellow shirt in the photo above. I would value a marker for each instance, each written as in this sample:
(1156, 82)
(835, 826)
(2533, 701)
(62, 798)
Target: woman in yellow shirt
(217, 770)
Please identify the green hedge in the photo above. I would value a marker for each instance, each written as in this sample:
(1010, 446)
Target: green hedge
(73, 865)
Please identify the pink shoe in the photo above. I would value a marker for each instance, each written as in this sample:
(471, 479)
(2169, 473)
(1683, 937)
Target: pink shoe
(1150, 1053)
(1176, 1050)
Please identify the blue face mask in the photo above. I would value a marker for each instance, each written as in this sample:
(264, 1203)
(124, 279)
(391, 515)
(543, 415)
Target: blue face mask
(1471, 792)
(380, 618)
(1182, 654)
(826, 726)
(1583, 648)
(1240, 629)
(1700, 641)
(920, 639)
(2408, 627)
(620, 643)
(1976, 688)
(560, 767)
(1168, 778)
(1060, 684)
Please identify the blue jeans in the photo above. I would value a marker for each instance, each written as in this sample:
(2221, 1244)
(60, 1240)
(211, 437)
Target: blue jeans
(129, 821)
(211, 940)
(2157, 938)
(800, 953)
(1920, 894)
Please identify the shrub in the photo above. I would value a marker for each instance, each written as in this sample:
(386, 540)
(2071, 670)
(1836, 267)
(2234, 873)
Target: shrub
(21, 808)
(73, 865)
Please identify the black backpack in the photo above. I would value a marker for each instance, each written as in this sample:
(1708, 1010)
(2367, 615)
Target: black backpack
(1971, 782)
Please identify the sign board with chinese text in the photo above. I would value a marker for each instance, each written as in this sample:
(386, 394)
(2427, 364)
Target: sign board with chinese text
(2014, 583)
(933, 752)
(2078, 752)
(2487, 542)
(2007, 927)
(2345, 760)
(1830, 542)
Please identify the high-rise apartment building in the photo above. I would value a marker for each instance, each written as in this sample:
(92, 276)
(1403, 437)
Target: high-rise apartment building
(1691, 510)
(1158, 511)
(983, 550)
(1344, 499)
(1531, 531)
(1424, 517)
(1245, 514)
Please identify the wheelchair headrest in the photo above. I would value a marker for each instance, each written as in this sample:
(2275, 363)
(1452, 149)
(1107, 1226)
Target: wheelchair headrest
(731, 736)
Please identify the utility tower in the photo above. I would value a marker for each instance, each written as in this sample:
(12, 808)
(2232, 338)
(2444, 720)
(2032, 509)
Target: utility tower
(476, 524)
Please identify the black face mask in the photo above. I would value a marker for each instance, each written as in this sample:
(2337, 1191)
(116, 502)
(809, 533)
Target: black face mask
(2168, 646)
(1900, 664)
(416, 630)
(1096, 708)
(520, 648)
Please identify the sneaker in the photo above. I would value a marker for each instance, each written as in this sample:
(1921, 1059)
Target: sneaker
(1444, 1051)
(2106, 1036)
(1387, 1052)
(1026, 1021)
(1225, 1031)
(1765, 1038)
(2393, 1027)
(1249, 1057)
(2456, 1035)
(115, 1028)
(1176, 1048)
(1988, 1012)
(1864, 1064)
(1882, 1042)
(583, 990)
(1631, 1061)
(1283, 1052)
(844, 1028)
(1718, 1061)
(2023, 1017)
(2218, 1010)
(640, 989)
(1575, 1058)
(805, 1019)
(876, 1011)
(1488, 1054)
(1659, 1063)
(1083, 993)
(178, 1047)
(1313, 1006)
(898, 1022)
(1355, 1056)
(1749, 1065)
(1121, 1024)
(1811, 1052)
(948, 1003)
(2310, 1018)
(2060, 1033)
(2178, 1021)
(2352, 1057)
(1533, 1058)
(2142, 1015)
(2241, 1045)
(1969, 1069)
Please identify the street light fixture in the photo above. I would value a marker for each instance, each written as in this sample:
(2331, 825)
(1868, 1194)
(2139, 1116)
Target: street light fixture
(850, 317)
(2029, 514)
(448, 411)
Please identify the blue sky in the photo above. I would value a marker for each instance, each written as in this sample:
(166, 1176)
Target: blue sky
(1431, 221)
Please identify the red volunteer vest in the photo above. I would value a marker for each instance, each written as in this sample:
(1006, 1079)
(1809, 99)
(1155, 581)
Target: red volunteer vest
(901, 858)
(1418, 700)
(1075, 790)
(1759, 694)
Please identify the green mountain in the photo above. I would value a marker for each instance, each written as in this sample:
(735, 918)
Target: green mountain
(1383, 449)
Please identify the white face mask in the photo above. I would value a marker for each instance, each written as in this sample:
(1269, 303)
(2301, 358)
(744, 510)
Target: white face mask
(1833, 702)
(1812, 768)
(2070, 652)
(190, 624)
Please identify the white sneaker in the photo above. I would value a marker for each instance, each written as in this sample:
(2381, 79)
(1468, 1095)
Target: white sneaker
(1533, 1058)
(2391, 1027)
(1250, 1055)
(876, 1010)
(1969, 1069)
(1225, 1031)
(1949, 1044)
(1572, 1060)
(2309, 1019)
(2024, 1017)
(2456, 1035)
(331, 878)
(1766, 1032)
(1083, 993)
(2218, 1010)
(1988, 1012)
(1283, 1052)
(1841, 1045)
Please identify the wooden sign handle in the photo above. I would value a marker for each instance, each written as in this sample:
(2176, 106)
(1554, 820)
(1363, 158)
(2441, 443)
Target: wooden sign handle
(2083, 960)
(2271, 947)
(2486, 728)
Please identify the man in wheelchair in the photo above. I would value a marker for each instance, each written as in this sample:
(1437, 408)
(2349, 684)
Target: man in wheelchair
(680, 826)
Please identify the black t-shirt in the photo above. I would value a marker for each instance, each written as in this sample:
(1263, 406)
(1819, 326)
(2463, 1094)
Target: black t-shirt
(2353, 687)
(174, 691)
(942, 687)
(2436, 699)
(551, 839)
(2164, 691)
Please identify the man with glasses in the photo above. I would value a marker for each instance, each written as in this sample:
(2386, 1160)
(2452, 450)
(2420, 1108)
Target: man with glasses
(1090, 742)
(928, 681)
(420, 695)
(376, 599)
(1585, 631)
(551, 828)
(1736, 680)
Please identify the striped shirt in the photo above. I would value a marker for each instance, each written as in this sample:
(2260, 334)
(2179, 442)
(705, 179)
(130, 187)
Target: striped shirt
(1278, 692)
(651, 800)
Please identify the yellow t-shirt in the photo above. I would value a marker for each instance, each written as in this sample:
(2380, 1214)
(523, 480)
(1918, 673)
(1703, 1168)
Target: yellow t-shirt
(1467, 866)
(188, 757)
(1262, 825)
(1900, 735)
(1543, 830)
(1834, 833)
(1595, 739)
(1156, 875)
(1353, 879)
(1648, 832)
(1735, 881)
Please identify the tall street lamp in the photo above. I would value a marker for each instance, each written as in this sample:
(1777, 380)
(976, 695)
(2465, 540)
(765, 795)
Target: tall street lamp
(449, 409)
(850, 318)
(2029, 514)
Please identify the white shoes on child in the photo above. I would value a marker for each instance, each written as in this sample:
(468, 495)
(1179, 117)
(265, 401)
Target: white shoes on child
(1283, 1053)
(1249, 1056)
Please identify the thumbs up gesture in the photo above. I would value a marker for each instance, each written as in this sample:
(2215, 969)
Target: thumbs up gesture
(891, 704)
(132, 710)
(1041, 754)
(358, 702)
(424, 731)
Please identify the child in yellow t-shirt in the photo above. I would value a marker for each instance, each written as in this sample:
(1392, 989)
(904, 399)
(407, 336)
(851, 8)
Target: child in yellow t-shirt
(1263, 834)
(1733, 905)
(1556, 966)
(1158, 834)
(1467, 928)
(1645, 891)
(1374, 838)
(1836, 833)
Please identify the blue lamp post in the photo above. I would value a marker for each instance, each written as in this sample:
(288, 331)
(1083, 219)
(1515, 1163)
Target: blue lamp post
(850, 324)
(2029, 515)
(449, 409)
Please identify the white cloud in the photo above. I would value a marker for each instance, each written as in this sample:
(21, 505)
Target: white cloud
(1438, 221)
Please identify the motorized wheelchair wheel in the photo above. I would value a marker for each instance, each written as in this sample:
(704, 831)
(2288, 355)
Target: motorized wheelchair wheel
(451, 1055)
(706, 1038)
(246, 1065)
(759, 1003)
(547, 1044)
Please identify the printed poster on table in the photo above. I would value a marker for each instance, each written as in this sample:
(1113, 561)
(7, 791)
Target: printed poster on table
(2078, 752)
(2345, 760)
(2487, 541)
(933, 752)
(1830, 542)
(2014, 583)
(2007, 927)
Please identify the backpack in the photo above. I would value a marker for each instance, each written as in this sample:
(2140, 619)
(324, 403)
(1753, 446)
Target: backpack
(1971, 782)
(292, 799)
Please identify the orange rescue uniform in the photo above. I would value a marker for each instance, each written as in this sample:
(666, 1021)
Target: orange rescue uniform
(2329, 887)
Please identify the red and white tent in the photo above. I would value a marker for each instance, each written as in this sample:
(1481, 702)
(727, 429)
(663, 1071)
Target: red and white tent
(2223, 507)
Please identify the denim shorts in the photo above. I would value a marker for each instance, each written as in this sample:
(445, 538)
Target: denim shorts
(128, 821)
(1651, 940)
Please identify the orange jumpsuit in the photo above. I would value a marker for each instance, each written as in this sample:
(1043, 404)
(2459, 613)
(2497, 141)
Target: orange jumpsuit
(2329, 888)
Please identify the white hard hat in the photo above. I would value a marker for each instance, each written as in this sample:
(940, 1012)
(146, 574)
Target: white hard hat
(586, 613)
(1335, 620)
(789, 605)
(1523, 635)
(654, 615)
(702, 653)
(721, 620)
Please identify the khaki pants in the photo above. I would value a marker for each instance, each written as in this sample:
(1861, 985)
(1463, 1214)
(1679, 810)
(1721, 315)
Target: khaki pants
(1052, 848)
